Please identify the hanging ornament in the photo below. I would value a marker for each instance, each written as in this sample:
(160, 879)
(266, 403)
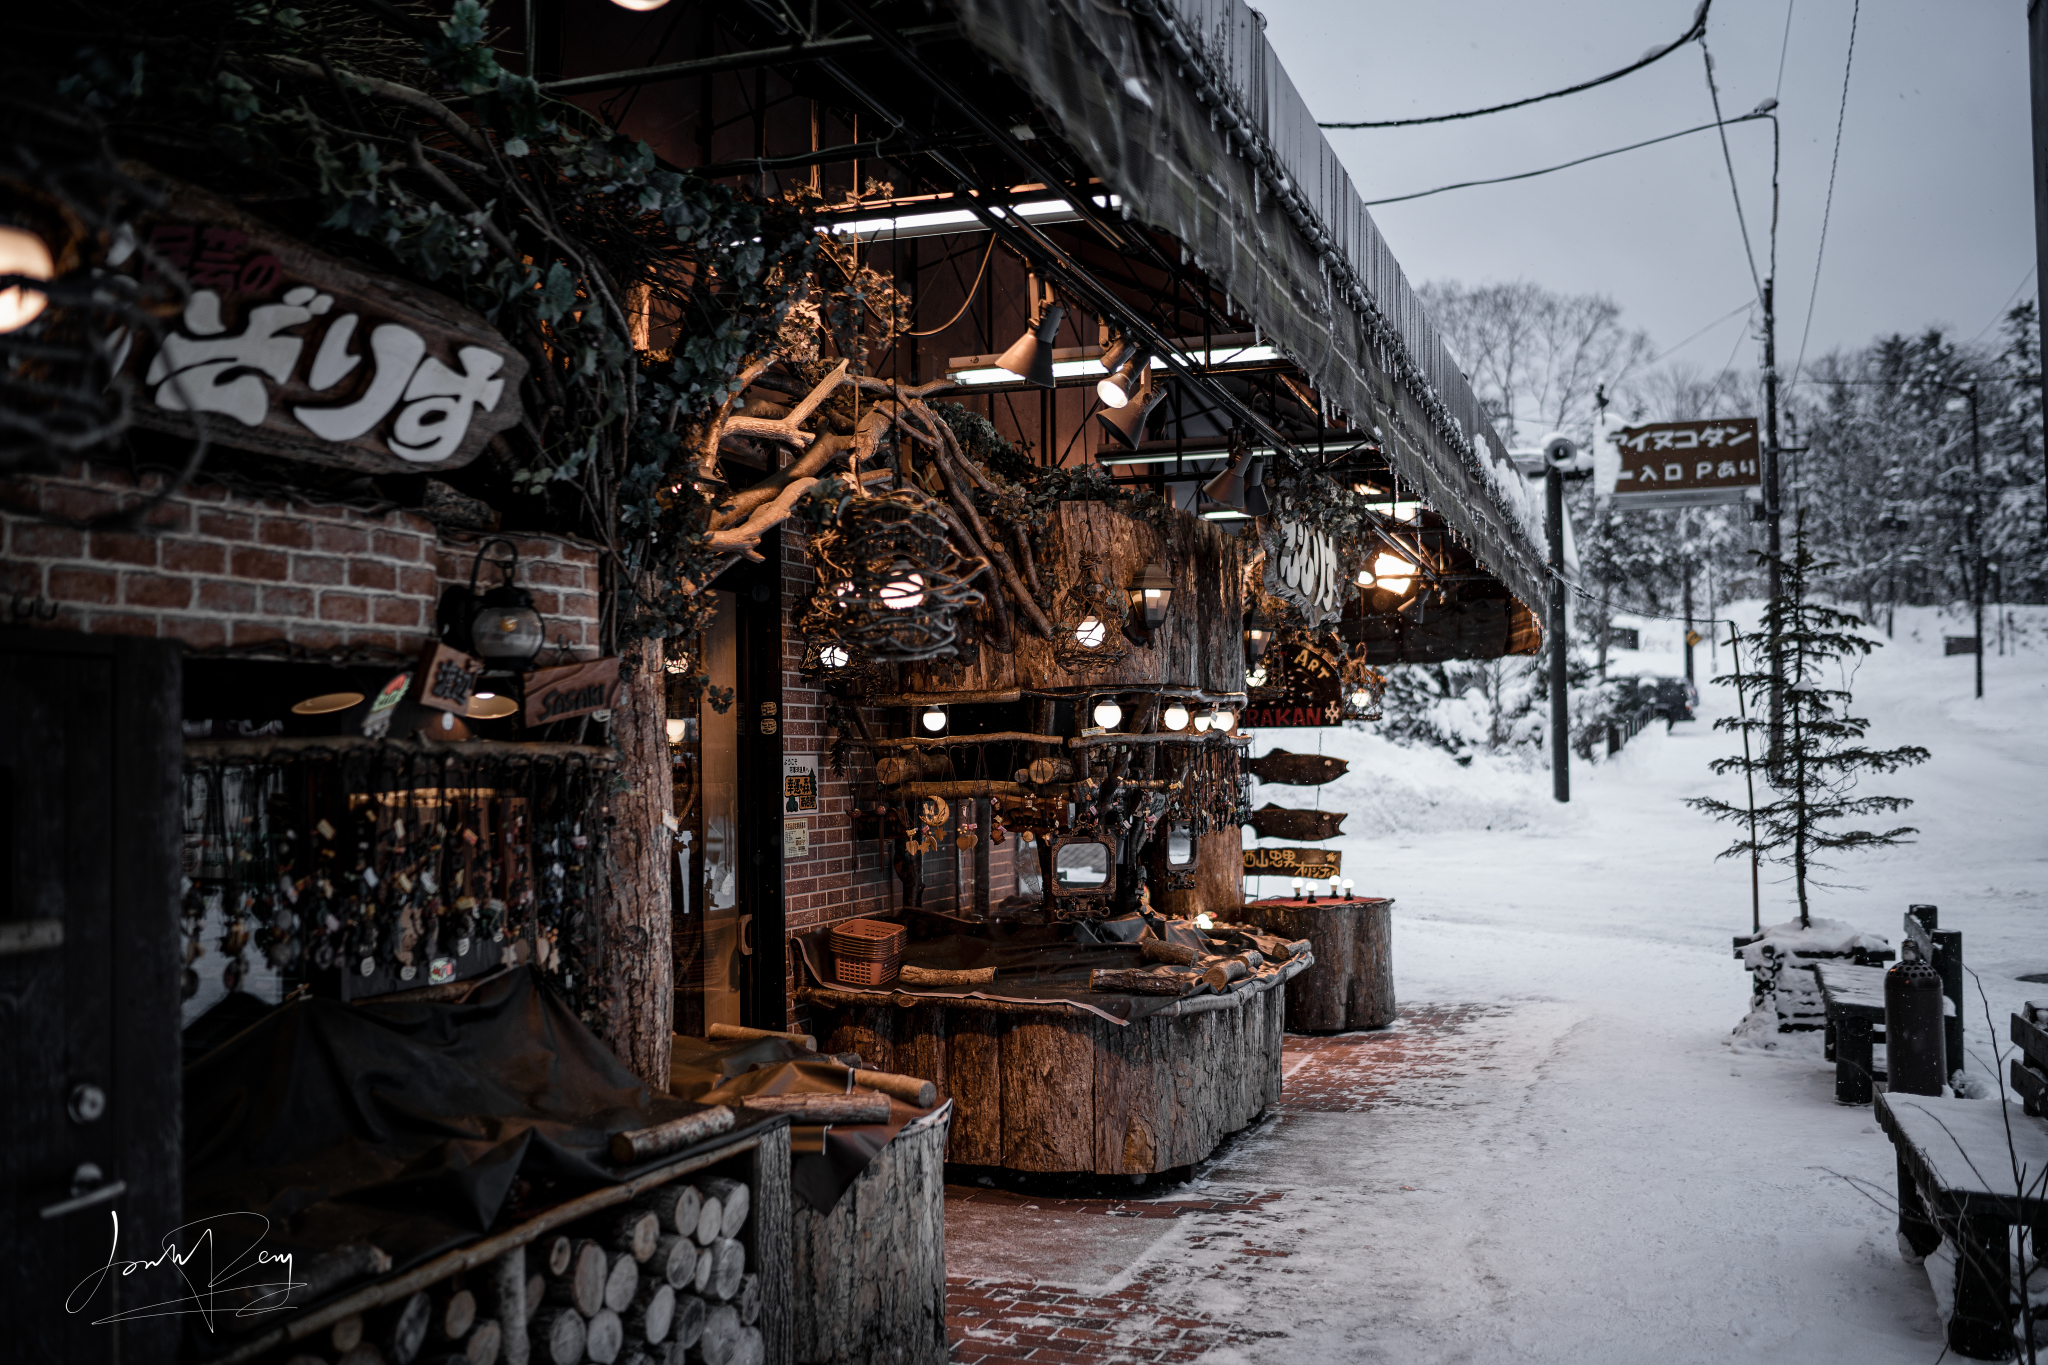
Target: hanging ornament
(1088, 633)
(891, 586)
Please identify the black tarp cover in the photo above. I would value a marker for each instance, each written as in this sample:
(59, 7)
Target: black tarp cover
(407, 1125)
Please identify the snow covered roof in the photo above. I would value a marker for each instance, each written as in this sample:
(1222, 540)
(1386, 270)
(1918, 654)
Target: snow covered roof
(1183, 109)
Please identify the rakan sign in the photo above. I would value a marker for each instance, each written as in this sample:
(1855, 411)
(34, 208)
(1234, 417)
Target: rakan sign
(1688, 464)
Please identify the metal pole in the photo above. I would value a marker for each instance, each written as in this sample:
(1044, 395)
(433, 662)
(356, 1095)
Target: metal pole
(1773, 541)
(1689, 632)
(1560, 713)
(1977, 536)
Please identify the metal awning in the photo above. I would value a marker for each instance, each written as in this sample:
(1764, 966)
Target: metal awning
(1183, 110)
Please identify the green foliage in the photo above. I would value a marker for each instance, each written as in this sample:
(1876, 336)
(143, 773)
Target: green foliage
(1818, 754)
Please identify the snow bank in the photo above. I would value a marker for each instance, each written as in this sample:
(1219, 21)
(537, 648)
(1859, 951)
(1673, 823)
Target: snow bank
(1825, 938)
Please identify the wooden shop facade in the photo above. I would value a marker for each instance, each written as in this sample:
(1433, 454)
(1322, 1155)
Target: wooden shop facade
(633, 628)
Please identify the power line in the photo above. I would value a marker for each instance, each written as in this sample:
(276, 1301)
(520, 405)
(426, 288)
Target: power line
(1841, 117)
(1698, 29)
(1784, 46)
(1714, 92)
(1745, 306)
(1562, 166)
(2004, 306)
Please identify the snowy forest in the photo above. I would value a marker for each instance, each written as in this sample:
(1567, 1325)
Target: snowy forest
(1879, 466)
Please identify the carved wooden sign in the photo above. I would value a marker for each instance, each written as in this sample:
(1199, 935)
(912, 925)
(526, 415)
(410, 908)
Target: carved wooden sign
(1280, 822)
(289, 351)
(1303, 686)
(570, 690)
(1293, 862)
(445, 678)
(1302, 568)
(1297, 770)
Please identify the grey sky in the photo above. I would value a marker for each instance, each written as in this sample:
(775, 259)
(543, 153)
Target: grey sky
(1933, 212)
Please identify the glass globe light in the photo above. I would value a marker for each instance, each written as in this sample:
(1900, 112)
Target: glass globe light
(1256, 678)
(904, 591)
(834, 656)
(1201, 721)
(1223, 718)
(1091, 632)
(1361, 700)
(677, 728)
(1108, 714)
(934, 719)
(23, 253)
(1176, 717)
(1202, 921)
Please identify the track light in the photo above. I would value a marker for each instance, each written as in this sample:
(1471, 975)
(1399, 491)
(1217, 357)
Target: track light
(1124, 378)
(1255, 503)
(1123, 425)
(1030, 357)
(1228, 487)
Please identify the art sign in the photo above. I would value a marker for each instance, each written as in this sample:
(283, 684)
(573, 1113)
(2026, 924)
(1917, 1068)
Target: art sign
(1688, 464)
(568, 690)
(1293, 862)
(1303, 685)
(292, 352)
(1302, 568)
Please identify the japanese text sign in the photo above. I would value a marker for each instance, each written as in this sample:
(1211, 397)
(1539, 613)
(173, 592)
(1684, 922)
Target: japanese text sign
(292, 352)
(1680, 464)
(1303, 686)
(445, 679)
(799, 783)
(570, 690)
(1293, 862)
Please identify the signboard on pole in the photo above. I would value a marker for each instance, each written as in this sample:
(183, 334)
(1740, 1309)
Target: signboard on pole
(1688, 464)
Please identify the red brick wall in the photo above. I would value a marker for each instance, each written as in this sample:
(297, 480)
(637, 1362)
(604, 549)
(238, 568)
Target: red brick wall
(217, 567)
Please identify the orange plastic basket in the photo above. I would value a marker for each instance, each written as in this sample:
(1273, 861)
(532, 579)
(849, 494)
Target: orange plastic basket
(869, 939)
(862, 972)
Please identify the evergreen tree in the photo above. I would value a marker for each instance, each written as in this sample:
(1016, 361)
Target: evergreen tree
(1820, 753)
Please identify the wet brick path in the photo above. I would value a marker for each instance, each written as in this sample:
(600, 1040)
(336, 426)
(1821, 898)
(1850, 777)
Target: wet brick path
(1420, 1061)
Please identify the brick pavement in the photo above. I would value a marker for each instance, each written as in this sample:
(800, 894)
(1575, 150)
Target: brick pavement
(1419, 1062)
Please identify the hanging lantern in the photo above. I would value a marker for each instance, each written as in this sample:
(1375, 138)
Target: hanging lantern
(897, 584)
(1363, 688)
(1089, 629)
(500, 626)
(1258, 636)
(834, 656)
(1151, 595)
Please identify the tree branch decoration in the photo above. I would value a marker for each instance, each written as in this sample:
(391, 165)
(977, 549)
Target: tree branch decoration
(890, 584)
(1091, 621)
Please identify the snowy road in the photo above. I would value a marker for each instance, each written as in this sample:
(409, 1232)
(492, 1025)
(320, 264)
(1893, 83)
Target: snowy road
(1602, 1174)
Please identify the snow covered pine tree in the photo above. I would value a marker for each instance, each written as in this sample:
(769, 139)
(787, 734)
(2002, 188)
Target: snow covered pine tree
(1820, 756)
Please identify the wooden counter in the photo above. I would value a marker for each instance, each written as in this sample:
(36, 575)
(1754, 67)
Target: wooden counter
(1352, 984)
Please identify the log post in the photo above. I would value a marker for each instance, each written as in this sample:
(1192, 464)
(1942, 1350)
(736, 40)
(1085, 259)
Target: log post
(639, 989)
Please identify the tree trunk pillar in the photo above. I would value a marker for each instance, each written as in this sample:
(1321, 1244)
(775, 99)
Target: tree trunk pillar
(638, 961)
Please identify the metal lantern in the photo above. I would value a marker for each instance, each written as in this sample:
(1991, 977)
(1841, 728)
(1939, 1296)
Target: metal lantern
(1151, 595)
(890, 584)
(500, 626)
(1364, 688)
(1258, 636)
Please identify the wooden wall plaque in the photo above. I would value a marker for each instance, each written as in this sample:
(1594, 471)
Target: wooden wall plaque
(570, 690)
(1293, 862)
(445, 678)
(289, 351)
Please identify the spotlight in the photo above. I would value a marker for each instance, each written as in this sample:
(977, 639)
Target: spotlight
(1108, 714)
(1255, 502)
(1393, 573)
(1030, 357)
(934, 719)
(1123, 425)
(1176, 717)
(1227, 488)
(1125, 379)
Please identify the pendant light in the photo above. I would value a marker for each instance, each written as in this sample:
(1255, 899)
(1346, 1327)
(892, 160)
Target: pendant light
(1227, 488)
(1108, 715)
(1124, 425)
(1255, 501)
(1128, 369)
(934, 719)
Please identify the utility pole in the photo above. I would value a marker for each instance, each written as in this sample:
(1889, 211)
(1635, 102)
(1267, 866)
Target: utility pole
(1772, 509)
(1977, 534)
(1560, 712)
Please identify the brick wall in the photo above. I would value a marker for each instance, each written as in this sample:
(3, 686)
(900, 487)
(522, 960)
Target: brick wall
(217, 567)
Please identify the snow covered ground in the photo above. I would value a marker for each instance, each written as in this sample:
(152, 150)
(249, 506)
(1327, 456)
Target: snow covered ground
(1623, 1181)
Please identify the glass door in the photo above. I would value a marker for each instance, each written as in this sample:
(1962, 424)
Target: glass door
(709, 964)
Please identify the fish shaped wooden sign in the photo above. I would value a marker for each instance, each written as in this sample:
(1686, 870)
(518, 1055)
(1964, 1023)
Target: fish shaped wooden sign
(1297, 770)
(1277, 822)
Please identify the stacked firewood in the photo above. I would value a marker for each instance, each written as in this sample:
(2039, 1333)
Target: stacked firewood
(663, 1280)
(1237, 959)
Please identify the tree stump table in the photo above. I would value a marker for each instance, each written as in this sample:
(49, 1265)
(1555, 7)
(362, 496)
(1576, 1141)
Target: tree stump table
(1352, 984)
(1050, 1087)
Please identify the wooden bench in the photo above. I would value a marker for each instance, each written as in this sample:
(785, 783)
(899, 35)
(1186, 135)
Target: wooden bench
(2030, 1067)
(1969, 1170)
(1853, 998)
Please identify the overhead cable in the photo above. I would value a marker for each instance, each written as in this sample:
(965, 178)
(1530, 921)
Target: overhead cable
(1698, 29)
(1841, 117)
(1565, 165)
(1714, 92)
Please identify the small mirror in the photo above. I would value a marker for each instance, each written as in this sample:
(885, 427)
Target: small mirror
(1082, 867)
(1180, 846)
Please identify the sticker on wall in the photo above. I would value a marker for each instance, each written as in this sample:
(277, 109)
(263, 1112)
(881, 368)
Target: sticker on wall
(796, 838)
(799, 784)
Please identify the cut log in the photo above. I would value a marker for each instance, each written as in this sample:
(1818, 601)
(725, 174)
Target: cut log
(731, 1033)
(1046, 771)
(748, 1300)
(1221, 972)
(721, 1336)
(485, 1344)
(935, 976)
(728, 1268)
(1351, 984)
(823, 1108)
(710, 1220)
(1159, 950)
(750, 1349)
(649, 1315)
(621, 1281)
(892, 770)
(642, 1144)
(675, 1259)
(345, 1333)
(606, 1337)
(583, 1287)
(736, 1198)
(402, 1329)
(634, 1232)
(1136, 981)
(454, 1316)
(506, 1300)
(536, 1295)
(688, 1323)
(700, 1279)
(912, 1090)
(674, 1204)
(556, 1252)
(363, 1353)
(558, 1336)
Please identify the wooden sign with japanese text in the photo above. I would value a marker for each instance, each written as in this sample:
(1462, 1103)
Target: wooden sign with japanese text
(289, 351)
(445, 679)
(1293, 862)
(570, 690)
(1688, 464)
